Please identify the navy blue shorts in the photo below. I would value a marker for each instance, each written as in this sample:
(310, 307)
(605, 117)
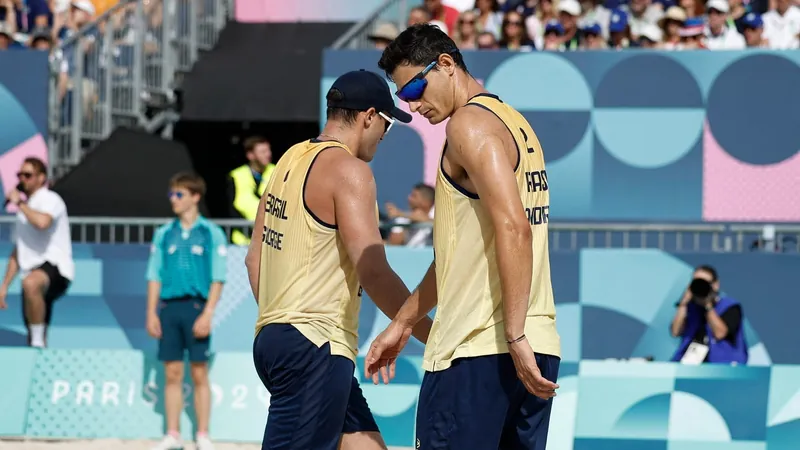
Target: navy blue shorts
(314, 396)
(479, 403)
(177, 337)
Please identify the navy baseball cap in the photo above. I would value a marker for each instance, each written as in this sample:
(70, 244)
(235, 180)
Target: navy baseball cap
(752, 20)
(361, 90)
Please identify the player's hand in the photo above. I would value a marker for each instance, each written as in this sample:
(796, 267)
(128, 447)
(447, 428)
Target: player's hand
(528, 372)
(392, 210)
(154, 326)
(202, 326)
(3, 294)
(13, 196)
(383, 353)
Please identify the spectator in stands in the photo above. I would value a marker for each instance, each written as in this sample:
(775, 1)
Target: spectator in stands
(594, 12)
(486, 41)
(81, 14)
(42, 251)
(8, 18)
(41, 40)
(26, 15)
(568, 13)
(535, 23)
(709, 323)
(671, 25)
(592, 38)
(446, 14)
(782, 25)
(466, 33)
(418, 15)
(753, 31)
(618, 30)
(383, 34)
(185, 274)
(693, 8)
(514, 35)
(490, 19)
(247, 182)
(692, 37)
(6, 37)
(720, 36)
(553, 33)
(736, 14)
(420, 202)
(641, 13)
(650, 37)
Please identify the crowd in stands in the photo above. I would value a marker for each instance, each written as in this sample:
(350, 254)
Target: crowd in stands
(565, 25)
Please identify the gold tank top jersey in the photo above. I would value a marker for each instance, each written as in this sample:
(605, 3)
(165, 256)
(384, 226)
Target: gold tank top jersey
(469, 315)
(306, 278)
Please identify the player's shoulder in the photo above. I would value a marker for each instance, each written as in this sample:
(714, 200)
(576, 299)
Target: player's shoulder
(212, 227)
(344, 169)
(471, 121)
(162, 231)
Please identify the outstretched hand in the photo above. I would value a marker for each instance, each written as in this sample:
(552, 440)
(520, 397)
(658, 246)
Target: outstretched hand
(383, 353)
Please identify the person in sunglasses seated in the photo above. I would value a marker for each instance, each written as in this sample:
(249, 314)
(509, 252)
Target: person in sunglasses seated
(494, 353)
(42, 251)
(315, 244)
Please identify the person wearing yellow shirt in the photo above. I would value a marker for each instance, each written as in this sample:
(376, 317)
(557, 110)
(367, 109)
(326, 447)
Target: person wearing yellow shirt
(248, 183)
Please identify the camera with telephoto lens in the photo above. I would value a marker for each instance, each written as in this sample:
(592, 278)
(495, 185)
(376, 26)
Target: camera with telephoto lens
(701, 291)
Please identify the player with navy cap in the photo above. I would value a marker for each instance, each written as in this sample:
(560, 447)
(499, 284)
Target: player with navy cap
(315, 244)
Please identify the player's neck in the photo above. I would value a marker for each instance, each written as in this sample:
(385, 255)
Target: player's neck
(336, 132)
(466, 88)
(188, 218)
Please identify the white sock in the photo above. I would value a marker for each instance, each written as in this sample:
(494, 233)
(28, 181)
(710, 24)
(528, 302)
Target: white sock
(37, 335)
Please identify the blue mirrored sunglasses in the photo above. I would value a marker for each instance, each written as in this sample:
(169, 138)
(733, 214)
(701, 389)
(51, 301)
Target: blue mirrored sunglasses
(412, 91)
(176, 194)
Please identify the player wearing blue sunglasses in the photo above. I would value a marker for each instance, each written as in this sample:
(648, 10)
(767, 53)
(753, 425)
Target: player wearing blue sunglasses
(485, 387)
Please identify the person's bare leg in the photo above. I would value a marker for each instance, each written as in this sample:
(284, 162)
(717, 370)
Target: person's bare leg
(34, 285)
(173, 394)
(202, 396)
(367, 440)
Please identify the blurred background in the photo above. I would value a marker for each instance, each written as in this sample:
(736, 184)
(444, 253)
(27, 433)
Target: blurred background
(671, 137)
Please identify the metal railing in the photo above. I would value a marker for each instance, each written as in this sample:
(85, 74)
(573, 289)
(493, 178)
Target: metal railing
(122, 69)
(390, 11)
(564, 237)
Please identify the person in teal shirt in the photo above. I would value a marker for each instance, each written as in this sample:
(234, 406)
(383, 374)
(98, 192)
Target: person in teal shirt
(185, 274)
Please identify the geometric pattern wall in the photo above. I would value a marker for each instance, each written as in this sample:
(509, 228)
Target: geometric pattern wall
(706, 136)
(100, 377)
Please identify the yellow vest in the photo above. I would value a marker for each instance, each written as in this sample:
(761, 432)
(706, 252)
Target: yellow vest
(306, 277)
(469, 315)
(246, 196)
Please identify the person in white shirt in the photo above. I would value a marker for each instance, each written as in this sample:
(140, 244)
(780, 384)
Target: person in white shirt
(720, 36)
(42, 252)
(782, 25)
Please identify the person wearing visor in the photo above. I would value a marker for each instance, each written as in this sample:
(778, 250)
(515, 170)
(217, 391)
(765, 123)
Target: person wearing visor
(315, 244)
(492, 360)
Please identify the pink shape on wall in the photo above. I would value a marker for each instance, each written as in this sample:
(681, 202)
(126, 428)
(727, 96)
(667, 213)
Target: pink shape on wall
(738, 191)
(260, 11)
(433, 137)
(11, 161)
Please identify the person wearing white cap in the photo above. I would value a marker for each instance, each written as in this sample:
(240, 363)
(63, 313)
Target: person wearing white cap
(382, 34)
(719, 36)
(640, 14)
(650, 36)
(594, 12)
(671, 25)
(568, 13)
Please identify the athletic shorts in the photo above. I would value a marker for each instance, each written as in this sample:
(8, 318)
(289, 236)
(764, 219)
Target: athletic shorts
(177, 337)
(314, 397)
(479, 403)
(56, 287)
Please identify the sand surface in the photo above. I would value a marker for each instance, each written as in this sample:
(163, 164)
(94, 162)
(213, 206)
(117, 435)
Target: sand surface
(111, 444)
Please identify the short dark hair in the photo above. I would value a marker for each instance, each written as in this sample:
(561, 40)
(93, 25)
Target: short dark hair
(251, 142)
(426, 190)
(419, 45)
(38, 165)
(190, 181)
(346, 116)
(709, 270)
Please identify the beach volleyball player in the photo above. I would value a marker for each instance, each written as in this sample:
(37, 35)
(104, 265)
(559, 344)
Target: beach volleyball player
(316, 243)
(492, 358)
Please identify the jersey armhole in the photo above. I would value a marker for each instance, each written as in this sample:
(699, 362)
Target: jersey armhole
(516, 144)
(305, 183)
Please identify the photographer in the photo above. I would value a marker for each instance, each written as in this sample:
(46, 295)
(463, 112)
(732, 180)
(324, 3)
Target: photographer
(709, 323)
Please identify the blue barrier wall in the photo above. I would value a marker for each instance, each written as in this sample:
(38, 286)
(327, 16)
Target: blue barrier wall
(679, 126)
(100, 378)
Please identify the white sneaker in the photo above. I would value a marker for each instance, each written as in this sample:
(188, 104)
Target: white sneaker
(203, 443)
(169, 443)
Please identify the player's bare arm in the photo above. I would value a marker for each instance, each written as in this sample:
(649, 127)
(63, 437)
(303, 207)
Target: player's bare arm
(253, 259)
(481, 145)
(386, 347)
(355, 200)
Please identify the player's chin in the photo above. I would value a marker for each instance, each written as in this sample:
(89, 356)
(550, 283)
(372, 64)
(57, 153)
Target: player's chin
(436, 120)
